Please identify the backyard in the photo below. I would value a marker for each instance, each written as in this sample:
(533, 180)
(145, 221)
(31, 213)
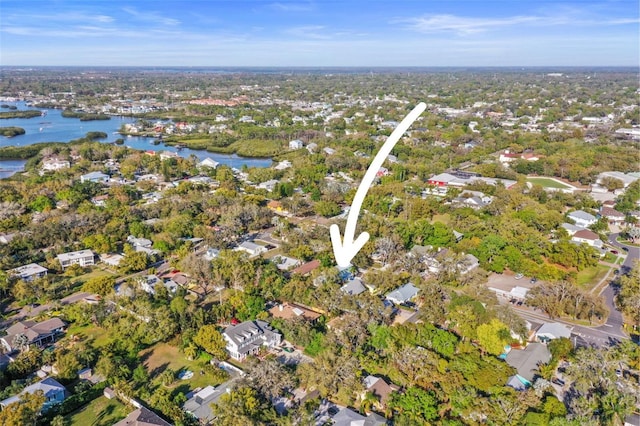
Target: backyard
(99, 412)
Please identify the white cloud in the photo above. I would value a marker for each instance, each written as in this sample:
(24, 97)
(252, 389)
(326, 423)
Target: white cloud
(148, 16)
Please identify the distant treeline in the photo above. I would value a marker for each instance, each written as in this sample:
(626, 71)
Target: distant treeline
(84, 116)
(29, 151)
(30, 113)
(11, 131)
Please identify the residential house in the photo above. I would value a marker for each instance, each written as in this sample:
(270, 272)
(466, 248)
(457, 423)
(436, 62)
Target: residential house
(211, 253)
(247, 337)
(208, 163)
(142, 417)
(100, 200)
(111, 259)
(167, 155)
(526, 361)
(571, 228)
(97, 177)
(283, 165)
(613, 216)
(37, 334)
(353, 287)
(582, 218)
(142, 244)
(28, 272)
(348, 417)
(626, 178)
(269, 185)
(53, 391)
(199, 401)
(378, 387)
(474, 199)
(585, 236)
(329, 151)
(149, 283)
(51, 164)
(291, 310)
(285, 263)
(307, 268)
(403, 294)
(296, 144)
(82, 258)
(252, 248)
(467, 264)
(552, 330)
(312, 147)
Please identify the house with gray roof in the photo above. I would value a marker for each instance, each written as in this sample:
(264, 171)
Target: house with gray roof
(571, 228)
(199, 402)
(403, 294)
(37, 334)
(247, 337)
(142, 417)
(526, 361)
(94, 177)
(348, 417)
(28, 272)
(252, 248)
(53, 391)
(582, 218)
(552, 330)
(353, 287)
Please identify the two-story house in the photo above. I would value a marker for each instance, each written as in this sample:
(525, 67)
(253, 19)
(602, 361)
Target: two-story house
(247, 337)
(81, 257)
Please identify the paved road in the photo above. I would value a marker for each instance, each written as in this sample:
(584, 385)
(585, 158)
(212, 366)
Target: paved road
(584, 336)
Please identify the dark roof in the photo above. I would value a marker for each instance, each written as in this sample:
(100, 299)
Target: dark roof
(142, 417)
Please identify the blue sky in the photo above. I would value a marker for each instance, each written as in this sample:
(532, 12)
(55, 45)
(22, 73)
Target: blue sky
(320, 33)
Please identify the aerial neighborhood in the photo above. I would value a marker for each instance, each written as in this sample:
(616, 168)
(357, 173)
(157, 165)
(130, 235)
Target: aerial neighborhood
(194, 282)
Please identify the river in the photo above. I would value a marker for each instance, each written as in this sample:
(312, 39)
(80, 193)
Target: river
(53, 127)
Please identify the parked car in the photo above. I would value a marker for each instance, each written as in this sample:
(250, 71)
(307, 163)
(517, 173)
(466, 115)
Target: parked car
(287, 349)
(614, 251)
(518, 276)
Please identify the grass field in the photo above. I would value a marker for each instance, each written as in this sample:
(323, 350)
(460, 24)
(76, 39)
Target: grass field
(547, 182)
(99, 412)
(590, 277)
(99, 336)
(442, 218)
(163, 355)
(81, 279)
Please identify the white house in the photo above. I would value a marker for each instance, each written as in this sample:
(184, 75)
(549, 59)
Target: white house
(252, 248)
(296, 144)
(82, 258)
(247, 337)
(208, 163)
(582, 218)
(54, 163)
(269, 185)
(585, 236)
(97, 177)
(28, 272)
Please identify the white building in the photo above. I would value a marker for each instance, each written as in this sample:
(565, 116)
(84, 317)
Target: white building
(55, 163)
(296, 144)
(28, 272)
(95, 177)
(252, 248)
(82, 258)
(582, 218)
(247, 337)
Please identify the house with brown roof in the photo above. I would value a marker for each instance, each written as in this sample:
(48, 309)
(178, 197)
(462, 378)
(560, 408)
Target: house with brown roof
(587, 237)
(39, 334)
(291, 310)
(379, 388)
(613, 216)
(142, 417)
(307, 268)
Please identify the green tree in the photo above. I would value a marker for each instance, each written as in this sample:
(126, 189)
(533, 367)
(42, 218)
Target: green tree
(211, 340)
(24, 412)
(102, 285)
(494, 336)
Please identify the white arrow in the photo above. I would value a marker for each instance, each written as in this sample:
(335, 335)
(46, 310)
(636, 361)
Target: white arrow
(345, 250)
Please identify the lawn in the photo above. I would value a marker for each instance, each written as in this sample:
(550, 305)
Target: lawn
(99, 412)
(163, 355)
(442, 218)
(99, 336)
(588, 278)
(96, 272)
(548, 183)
